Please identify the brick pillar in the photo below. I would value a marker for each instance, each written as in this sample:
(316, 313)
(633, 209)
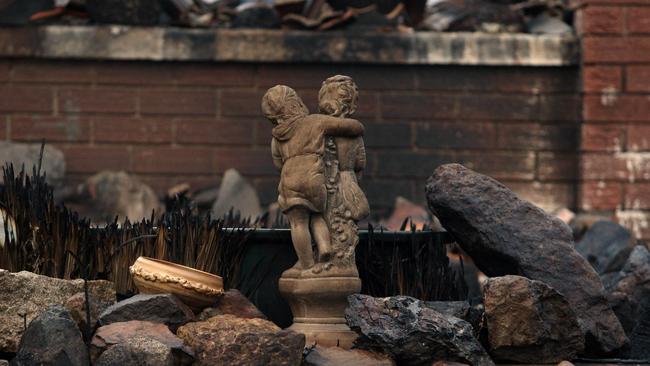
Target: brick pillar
(615, 144)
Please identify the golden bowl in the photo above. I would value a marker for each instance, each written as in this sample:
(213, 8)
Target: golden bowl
(197, 289)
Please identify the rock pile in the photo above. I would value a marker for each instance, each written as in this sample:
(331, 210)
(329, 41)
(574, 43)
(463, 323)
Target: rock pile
(506, 235)
(544, 302)
(137, 331)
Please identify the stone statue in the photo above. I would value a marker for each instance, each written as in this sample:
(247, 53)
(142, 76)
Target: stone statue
(298, 146)
(320, 157)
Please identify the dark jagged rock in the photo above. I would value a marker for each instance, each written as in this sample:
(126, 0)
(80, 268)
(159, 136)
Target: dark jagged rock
(411, 333)
(507, 235)
(52, 339)
(159, 308)
(229, 340)
(629, 295)
(606, 245)
(234, 303)
(530, 322)
(138, 351)
(109, 336)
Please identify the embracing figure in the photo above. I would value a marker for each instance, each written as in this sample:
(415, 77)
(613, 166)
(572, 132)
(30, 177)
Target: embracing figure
(345, 160)
(298, 148)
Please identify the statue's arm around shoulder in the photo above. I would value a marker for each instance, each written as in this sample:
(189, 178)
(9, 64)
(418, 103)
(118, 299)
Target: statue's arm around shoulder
(334, 126)
(360, 161)
(275, 152)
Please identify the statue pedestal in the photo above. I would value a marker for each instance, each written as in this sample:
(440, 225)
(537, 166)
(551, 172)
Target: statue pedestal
(318, 306)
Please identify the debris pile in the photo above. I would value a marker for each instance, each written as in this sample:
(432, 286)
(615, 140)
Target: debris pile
(547, 300)
(532, 16)
(506, 235)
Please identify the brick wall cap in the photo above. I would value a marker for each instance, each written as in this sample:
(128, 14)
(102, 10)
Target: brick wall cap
(256, 45)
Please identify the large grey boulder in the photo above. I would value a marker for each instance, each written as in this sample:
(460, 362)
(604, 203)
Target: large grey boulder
(529, 322)
(156, 308)
(507, 235)
(606, 245)
(411, 333)
(53, 164)
(52, 339)
(28, 294)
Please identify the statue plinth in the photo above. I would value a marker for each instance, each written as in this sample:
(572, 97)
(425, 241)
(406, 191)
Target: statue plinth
(318, 305)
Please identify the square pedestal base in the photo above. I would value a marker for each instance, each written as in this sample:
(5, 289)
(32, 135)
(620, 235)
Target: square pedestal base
(318, 307)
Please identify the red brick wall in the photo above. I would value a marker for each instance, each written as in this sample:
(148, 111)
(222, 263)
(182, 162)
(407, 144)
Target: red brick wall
(181, 122)
(615, 163)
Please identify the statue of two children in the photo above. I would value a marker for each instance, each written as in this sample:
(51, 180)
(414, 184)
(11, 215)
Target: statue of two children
(320, 156)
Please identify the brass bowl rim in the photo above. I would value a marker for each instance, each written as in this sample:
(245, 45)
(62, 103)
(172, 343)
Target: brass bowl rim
(172, 264)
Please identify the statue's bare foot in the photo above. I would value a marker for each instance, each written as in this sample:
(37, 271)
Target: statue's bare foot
(293, 272)
(317, 270)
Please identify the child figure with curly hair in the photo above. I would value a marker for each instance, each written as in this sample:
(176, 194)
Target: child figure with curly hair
(297, 148)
